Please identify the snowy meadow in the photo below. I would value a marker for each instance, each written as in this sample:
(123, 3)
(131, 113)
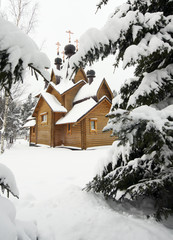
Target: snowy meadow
(51, 200)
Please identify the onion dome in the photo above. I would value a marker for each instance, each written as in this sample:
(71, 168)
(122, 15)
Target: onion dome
(90, 73)
(90, 76)
(58, 62)
(69, 50)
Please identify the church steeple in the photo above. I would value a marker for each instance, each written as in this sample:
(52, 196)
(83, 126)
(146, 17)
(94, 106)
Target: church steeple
(62, 64)
(58, 45)
(69, 48)
(58, 60)
(58, 63)
(69, 32)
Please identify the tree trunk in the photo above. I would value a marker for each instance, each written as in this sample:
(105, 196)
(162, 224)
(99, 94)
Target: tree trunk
(4, 121)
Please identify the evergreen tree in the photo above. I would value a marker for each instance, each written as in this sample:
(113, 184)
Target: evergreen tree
(140, 33)
(27, 108)
(26, 112)
(1, 109)
(14, 122)
(16, 56)
(16, 116)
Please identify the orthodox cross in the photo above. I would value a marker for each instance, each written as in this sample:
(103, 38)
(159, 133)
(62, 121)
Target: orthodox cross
(77, 44)
(63, 56)
(58, 45)
(69, 32)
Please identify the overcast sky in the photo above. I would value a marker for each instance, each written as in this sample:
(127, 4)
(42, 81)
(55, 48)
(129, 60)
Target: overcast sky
(55, 17)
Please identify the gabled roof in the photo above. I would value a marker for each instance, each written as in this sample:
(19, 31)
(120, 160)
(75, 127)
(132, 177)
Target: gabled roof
(80, 110)
(107, 85)
(80, 75)
(30, 117)
(63, 87)
(53, 103)
(30, 123)
(90, 90)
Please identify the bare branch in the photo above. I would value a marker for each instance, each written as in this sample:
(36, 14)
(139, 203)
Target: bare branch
(24, 14)
(1, 119)
(13, 10)
(32, 20)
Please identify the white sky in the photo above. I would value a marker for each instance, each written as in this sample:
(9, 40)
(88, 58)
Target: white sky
(55, 17)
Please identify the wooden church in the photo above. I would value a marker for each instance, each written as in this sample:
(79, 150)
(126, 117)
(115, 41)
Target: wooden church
(72, 112)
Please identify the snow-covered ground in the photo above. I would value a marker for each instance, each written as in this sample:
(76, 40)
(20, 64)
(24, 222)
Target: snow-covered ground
(50, 181)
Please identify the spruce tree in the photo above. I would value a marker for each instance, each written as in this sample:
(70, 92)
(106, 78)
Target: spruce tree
(26, 112)
(14, 121)
(140, 166)
(16, 56)
(27, 108)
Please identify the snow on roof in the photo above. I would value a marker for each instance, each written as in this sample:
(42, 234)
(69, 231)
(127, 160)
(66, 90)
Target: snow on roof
(65, 73)
(30, 123)
(30, 117)
(57, 72)
(78, 111)
(64, 85)
(54, 104)
(88, 90)
(104, 96)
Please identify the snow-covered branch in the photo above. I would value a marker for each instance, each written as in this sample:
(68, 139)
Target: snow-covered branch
(18, 51)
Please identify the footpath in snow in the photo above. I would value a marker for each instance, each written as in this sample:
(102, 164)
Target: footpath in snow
(50, 181)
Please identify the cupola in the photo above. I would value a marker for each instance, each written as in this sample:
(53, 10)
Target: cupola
(69, 50)
(58, 63)
(90, 76)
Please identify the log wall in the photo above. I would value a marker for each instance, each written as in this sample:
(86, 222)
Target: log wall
(73, 139)
(104, 91)
(44, 129)
(68, 97)
(83, 134)
(98, 138)
(59, 135)
(32, 134)
(80, 75)
(59, 131)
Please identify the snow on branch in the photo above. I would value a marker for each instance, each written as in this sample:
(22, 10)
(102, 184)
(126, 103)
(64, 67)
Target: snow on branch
(7, 181)
(154, 82)
(129, 32)
(17, 52)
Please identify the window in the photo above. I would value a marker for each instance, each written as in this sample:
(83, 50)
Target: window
(93, 125)
(69, 128)
(43, 118)
(33, 130)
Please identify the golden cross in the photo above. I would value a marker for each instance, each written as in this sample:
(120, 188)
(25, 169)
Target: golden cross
(77, 44)
(69, 32)
(63, 56)
(58, 45)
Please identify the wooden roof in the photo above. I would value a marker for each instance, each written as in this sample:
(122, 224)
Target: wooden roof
(64, 88)
(52, 102)
(92, 90)
(106, 84)
(80, 110)
(80, 75)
